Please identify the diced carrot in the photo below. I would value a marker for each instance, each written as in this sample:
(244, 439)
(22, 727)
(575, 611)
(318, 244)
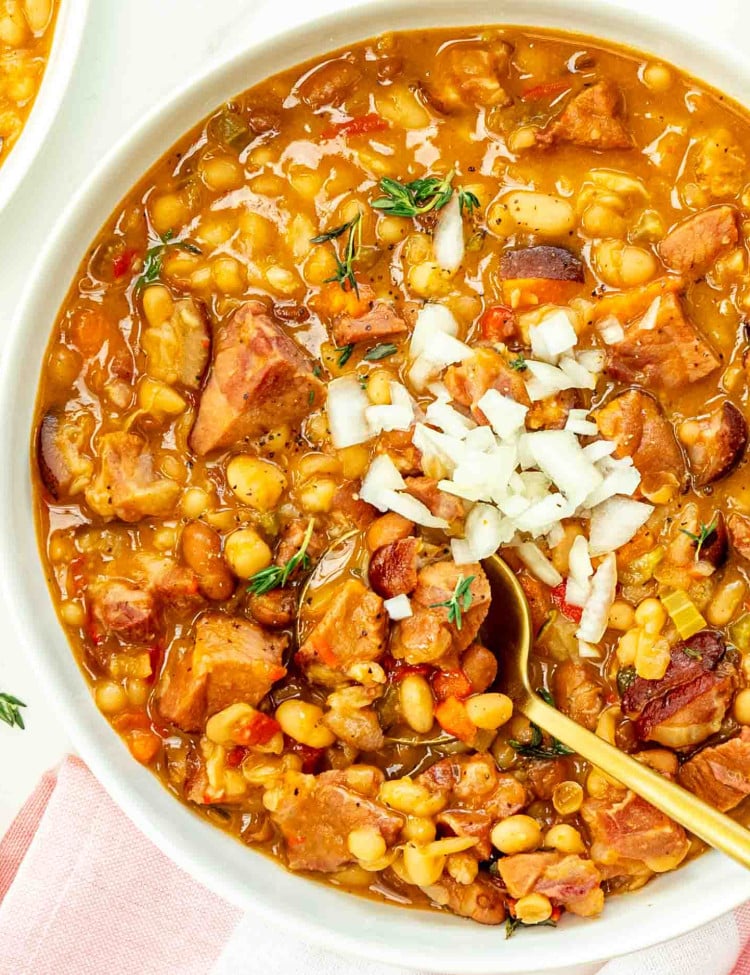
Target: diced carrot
(360, 125)
(548, 90)
(89, 331)
(453, 717)
(144, 746)
(498, 324)
(627, 305)
(131, 721)
(325, 651)
(529, 292)
(451, 683)
(333, 300)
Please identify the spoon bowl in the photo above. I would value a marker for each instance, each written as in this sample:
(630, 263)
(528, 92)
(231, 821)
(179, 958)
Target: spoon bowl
(509, 626)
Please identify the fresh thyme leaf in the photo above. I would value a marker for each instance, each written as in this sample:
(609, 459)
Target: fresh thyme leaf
(467, 201)
(152, 265)
(382, 351)
(625, 677)
(345, 266)
(692, 652)
(311, 397)
(416, 197)
(536, 747)
(519, 363)
(277, 576)
(512, 923)
(703, 535)
(459, 602)
(345, 354)
(331, 234)
(317, 370)
(10, 711)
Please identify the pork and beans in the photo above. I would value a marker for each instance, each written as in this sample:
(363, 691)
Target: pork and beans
(380, 316)
(26, 28)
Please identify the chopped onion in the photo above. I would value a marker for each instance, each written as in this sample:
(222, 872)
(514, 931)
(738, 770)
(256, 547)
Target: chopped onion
(578, 587)
(398, 607)
(598, 449)
(389, 417)
(591, 359)
(481, 438)
(449, 420)
(346, 405)
(545, 380)
(432, 318)
(552, 336)
(649, 320)
(559, 455)
(588, 651)
(439, 447)
(583, 428)
(506, 416)
(486, 531)
(596, 611)
(614, 522)
(579, 377)
(541, 516)
(411, 508)
(620, 477)
(538, 563)
(610, 330)
(444, 349)
(461, 552)
(382, 477)
(448, 240)
(400, 395)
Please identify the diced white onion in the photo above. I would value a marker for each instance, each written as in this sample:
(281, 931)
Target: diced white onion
(486, 531)
(398, 607)
(538, 563)
(382, 477)
(595, 614)
(545, 380)
(615, 522)
(588, 651)
(481, 438)
(400, 395)
(506, 416)
(411, 508)
(649, 320)
(346, 404)
(579, 377)
(432, 318)
(389, 417)
(583, 428)
(449, 420)
(591, 359)
(610, 330)
(552, 336)
(559, 455)
(598, 449)
(578, 586)
(448, 240)
(541, 516)
(461, 551)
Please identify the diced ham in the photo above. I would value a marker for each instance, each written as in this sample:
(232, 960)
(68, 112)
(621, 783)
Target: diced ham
(353, 629)
(483, 900)
(126, 485)
(315, 815)
(542, 261)
(635, 422)
(232, 660)
(63, 448)
(567, 879)
(480, 666)
(578, 691)
(379, 321)
(720, 774)
(695, 243)
(468, 74)
(429, 634)
(291, 539)
(627, 833)
(441, 504)
(544, 774)
(681, 564)
(123, 608)
(485, 369)
(400, 448)
(177, 350)
(393, 567)
(715, 443)
(592, 119)
(689, 703)
(739, 534)
(356, 727)
(551, 413)
(274, 609)
(670, 355)
(348, 505)
(259, 379)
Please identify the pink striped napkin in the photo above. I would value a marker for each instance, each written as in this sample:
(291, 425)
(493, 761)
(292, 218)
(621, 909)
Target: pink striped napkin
(82, 892)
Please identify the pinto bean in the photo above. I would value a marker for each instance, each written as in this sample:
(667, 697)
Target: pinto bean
(715, 444)
(201, 549)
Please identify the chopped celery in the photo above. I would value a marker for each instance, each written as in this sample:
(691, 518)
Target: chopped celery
(640, 570)
(739, 633)
(684, 613)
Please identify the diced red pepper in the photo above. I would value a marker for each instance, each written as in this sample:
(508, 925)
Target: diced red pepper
(498, 324)
(258, 730)
(573, 613)
(548, 90)
(360, 125)
(398, 669)
(451, 683)
(311, 757)
(235, 756)
(453, 717)
(155, 655)
(123, 263)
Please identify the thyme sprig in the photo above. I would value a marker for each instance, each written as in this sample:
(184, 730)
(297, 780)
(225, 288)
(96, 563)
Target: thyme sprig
(10, 711)
(277, 576)
(702, 535)
(459, 602)
(419, 196)
(536, 748)
(344, 274)
(152, 266)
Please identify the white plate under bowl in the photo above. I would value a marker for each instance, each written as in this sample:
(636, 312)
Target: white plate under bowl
(66, 41)
(670, 905)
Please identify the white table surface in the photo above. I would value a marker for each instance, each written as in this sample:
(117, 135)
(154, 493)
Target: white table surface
(134, 53)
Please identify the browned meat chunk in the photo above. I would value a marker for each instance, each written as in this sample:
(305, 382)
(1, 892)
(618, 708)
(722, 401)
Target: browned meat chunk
(348, 505)
(126, 485)
(274, 609)
(316, 815)
(442, 505)
(721, 774)
(357, 727)
(123, 608)
(715, 443)
(592, 119)
(486, 369)
(329, 84)
(291, 539)
(682, 564)
(379, 321)
(739, 534)
(476, 796)
(689, 703)
(694, 244)
(483, 900)
(568, 880)
(578, 692)
(259, 379)
(721, 164)
(428, 635)
(635, 422)
(62, 446)
(393, 568)
(480, 666)
(551, 413)
(399, 447)
(178, 349)
(231, 661)
(353, 628)
(670, 353)
(553, 263)
(538, 598)
(467, 74)
(629, 835)
(544, 775)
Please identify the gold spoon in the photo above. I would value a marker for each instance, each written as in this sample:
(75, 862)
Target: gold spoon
(509, 620)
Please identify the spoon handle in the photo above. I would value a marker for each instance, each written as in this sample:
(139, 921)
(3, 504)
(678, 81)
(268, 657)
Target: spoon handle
(683, 807)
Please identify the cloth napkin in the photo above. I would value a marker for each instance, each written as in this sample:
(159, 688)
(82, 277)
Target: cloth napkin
(82, 892)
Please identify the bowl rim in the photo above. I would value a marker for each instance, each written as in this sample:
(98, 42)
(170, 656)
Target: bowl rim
(356, 926)
(69, 28)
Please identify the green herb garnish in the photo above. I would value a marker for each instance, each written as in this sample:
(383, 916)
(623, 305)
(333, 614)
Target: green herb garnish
(10, 711)
(421, 195)
(154, 255)
(459, 601)
(625, 677)
(331, 234)
(317, 370)
(311, 397)
(277, 576)
(467, 201)
(345, 354)
(345, 266)
(702, 536)
(536, 748)
(382, 351)
(512, 923)
(693, 653)
(519, 363)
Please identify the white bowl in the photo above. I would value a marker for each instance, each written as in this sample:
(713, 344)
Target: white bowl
(669, 906)
(66, 41)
